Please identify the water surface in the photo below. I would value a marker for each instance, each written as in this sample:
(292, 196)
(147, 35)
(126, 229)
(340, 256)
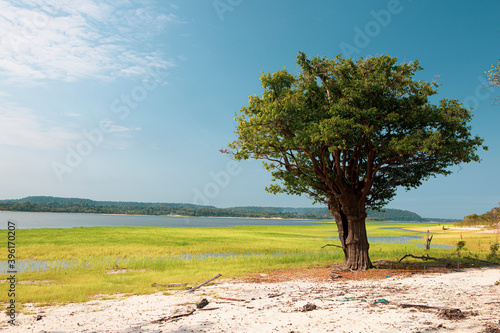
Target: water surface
(25, 220)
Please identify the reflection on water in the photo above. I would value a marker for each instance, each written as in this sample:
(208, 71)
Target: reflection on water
(394, 239)
(407, 239)
(23, 266)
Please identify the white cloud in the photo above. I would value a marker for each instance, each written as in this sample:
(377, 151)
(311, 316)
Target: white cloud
(118, 129)
(20, 127)
(85, 39)
(118, 136)
(73, 114)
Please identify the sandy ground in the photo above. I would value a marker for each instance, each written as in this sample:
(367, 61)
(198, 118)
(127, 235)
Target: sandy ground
(337, 303)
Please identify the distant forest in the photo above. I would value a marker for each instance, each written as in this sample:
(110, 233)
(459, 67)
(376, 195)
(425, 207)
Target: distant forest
(489, 219)
(77, 205)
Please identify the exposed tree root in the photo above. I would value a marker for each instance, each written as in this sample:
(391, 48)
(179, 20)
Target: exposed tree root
(427, 257)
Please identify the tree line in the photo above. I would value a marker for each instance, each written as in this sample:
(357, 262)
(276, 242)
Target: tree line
(489, 219)
(78, 205)
(158, 209)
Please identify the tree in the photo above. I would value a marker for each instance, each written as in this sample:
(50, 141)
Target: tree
(348, 133)
(494, 76)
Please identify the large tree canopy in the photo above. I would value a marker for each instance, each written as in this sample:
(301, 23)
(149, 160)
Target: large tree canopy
(348, 133)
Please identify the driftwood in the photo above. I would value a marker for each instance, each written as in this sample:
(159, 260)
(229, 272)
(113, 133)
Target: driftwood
(164, 319)
(231, 299)
(427, 257)
(331, 245)
(169, 285)
(444, 313)
(428, 241)
(420, 306)
(204, 302)
(204, 283)
(308, 307)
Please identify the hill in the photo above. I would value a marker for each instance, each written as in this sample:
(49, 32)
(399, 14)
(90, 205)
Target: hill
(388, 214)
(64, 201)
(79, 205)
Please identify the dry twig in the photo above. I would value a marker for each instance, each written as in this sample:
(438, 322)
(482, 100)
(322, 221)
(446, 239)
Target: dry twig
(204, 283)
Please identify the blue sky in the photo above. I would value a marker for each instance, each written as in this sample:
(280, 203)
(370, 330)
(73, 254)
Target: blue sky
(132, 100)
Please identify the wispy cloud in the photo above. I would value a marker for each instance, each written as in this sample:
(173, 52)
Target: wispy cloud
(85, 39)
(20, 127)
(119, 137)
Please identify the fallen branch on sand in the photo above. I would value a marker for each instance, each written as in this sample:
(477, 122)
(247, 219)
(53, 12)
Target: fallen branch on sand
(444, 313)
(165, 319)
(231, 299)
(420, 306)
(204, 283)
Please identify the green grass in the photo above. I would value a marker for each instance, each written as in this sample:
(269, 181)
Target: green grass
(477, 241)
(83, 257)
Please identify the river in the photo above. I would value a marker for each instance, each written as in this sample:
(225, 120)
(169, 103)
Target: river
(24, 220)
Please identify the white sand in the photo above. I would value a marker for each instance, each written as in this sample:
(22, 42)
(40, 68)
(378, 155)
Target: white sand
(340, 307)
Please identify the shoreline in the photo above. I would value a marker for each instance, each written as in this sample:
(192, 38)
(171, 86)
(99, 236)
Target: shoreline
(219, 217)
(301, 305)
(186, 216)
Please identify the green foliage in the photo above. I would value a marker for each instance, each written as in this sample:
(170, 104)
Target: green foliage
(460, 246)
(70, 205)
(494, 75)
(363, 127)
(390, 214)
(493, 251)
(489, 219)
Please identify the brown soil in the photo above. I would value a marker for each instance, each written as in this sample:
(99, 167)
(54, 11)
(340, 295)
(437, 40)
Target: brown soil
(335, 272)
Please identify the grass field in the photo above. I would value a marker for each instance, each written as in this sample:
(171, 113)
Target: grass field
(85, 263)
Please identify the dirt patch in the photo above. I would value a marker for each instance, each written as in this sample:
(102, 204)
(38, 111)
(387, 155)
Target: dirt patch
(335, 272)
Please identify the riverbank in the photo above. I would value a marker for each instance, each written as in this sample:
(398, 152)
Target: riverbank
(290, 302)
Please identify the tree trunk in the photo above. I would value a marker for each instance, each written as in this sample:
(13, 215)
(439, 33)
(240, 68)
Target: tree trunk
(352, 234)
